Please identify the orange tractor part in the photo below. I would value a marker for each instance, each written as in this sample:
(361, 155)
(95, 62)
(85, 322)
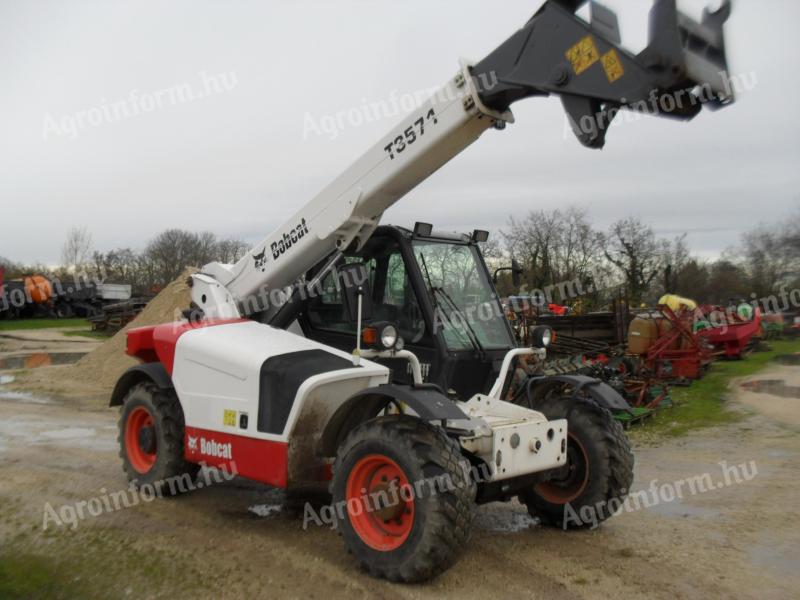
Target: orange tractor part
(38, 289)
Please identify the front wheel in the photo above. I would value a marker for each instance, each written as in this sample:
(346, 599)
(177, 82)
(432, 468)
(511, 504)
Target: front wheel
(404, 498)
(151, 437)
(599, 471)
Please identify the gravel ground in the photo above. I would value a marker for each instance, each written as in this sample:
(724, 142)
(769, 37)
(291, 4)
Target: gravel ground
(235, 539)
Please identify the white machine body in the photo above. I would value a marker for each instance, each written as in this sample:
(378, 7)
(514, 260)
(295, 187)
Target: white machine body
(272, 433)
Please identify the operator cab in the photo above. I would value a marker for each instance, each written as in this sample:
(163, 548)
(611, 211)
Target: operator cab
(437, 291)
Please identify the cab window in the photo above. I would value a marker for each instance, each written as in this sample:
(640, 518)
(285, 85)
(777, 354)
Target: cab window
(393, 296)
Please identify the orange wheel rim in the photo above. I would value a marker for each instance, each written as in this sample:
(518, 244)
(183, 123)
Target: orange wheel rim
(572, 479)
(140, 440)
(380, 502)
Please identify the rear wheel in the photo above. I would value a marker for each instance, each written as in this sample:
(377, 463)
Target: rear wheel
(403, 497)
(64, 311)
(151, 437)
(624, 365)
(599, 470)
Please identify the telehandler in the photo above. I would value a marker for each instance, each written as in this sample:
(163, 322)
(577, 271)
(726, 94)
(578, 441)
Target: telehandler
(409, 432)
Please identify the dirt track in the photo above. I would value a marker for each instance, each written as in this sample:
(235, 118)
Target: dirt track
(740, 540)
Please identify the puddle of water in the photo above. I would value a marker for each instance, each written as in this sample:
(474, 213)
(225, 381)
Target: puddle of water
(69, 433)
(676, 508)
(20, 397)
(779, 558)
(778, 453)
(22, 430)
(788, 359)
(23, 398)
(775, 387)
(504, 521)
(265, 510)
(40, 359)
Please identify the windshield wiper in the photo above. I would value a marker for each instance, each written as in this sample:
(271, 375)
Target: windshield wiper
(472, 336)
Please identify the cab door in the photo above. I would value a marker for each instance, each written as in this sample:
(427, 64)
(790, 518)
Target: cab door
(394, 298)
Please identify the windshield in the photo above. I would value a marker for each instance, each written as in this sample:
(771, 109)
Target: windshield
(466, 307)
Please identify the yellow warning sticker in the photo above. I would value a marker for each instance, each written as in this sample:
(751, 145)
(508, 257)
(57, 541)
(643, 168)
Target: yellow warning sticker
(612, 65)
(229, 418)
(583, 55)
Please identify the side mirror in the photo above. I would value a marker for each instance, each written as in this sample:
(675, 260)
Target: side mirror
(354, 282)
(516, 272)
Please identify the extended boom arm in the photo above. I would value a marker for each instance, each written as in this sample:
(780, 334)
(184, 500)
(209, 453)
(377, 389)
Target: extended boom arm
(556, 52)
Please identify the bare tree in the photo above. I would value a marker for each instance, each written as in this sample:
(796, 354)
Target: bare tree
(555, 248)
(675, 256)
(533, 241)
(170, 252)
(727, 281)
(206, 249)
(771, 257)
(631, 247)
(578, 249)
(10, 268)
(76, 250)
(231, 250)
(792, 247)
(692, 280)
(122, 265)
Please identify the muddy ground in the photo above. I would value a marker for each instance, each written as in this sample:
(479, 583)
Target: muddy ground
(235, 540)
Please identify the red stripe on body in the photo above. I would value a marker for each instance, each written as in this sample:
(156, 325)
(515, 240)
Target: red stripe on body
(260, 460)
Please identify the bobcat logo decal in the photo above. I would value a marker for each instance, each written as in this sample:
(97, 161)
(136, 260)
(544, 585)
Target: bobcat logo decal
(192, 443)
(260, 259)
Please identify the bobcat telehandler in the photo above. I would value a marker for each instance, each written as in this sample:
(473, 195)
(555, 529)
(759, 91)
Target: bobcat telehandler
(409, 431)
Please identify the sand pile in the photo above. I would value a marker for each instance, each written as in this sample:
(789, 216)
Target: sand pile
(103, 366)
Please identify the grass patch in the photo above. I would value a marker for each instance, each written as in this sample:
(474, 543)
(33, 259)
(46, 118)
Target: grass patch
(95, 335)
(703, 403)
(27, 324)
(28, 575)
(94, 564)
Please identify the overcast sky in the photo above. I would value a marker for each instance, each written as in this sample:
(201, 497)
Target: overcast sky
(252, 150)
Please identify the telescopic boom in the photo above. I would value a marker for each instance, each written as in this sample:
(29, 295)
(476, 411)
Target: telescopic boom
(556, 52)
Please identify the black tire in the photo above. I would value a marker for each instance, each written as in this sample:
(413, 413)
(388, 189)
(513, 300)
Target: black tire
(440, 522)
(599, 470)
(64, 311)
(165, 440)
(624, 365)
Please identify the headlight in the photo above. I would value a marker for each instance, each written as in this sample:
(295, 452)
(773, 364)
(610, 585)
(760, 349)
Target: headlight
(541, 336)
(382, 336)
(389, 337)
